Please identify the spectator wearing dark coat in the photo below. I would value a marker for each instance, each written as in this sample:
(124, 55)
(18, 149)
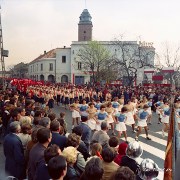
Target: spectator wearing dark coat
(42, 171)
(133, 152)
(82, 146)
(86, 131)
(36, 156)
(56, 137)
(13, 151)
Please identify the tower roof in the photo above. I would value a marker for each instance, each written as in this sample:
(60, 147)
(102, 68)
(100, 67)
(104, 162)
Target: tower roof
(85, 17)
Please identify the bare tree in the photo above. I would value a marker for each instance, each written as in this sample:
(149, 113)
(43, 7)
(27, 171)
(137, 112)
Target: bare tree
(131, 57)
(169, 57)
(93, 57)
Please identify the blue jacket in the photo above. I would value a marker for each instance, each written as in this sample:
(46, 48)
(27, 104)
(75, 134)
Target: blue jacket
(59, 140)
(13, 151)
(86, 134)
(42, 173)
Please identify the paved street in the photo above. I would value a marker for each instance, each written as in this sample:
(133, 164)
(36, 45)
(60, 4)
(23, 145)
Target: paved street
(154, 149)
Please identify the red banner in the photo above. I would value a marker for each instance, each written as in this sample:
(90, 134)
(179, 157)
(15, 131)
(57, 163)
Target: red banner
(157, 78)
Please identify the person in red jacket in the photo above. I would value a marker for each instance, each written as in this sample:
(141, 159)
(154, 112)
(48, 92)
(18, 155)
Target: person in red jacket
(121, 152)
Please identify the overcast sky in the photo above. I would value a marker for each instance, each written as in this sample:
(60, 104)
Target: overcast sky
(32, 26)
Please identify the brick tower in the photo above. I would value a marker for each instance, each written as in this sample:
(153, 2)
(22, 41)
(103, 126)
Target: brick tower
(85, 26)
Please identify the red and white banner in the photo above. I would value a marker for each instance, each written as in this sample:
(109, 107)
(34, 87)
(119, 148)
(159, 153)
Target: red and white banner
(168, 70)
(149, 71)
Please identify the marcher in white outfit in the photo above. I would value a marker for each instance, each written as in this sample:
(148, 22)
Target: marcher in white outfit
(120, 123)
(165, 113)
(142, 116)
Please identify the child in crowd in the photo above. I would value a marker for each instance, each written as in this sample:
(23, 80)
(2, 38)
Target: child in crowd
(63, 122)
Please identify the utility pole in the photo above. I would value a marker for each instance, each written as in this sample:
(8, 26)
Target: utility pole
(4, 53)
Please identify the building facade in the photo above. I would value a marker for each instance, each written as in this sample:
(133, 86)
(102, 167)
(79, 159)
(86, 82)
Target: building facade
(62, 64)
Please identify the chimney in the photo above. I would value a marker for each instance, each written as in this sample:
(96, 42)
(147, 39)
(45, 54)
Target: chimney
(44, 52)
(64, 47)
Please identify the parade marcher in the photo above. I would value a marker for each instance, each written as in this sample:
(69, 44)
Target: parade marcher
(58, 97)
(92, 121)
(165, 113)
(129, 115)
(110, 118)
(75, 112)
(142, 116)
(98, 104)
(177, 112)
(66, 99)
(115, 105)
(149, 103)
(120, 123)
(83, 107)
(101, 116)
(158, 105)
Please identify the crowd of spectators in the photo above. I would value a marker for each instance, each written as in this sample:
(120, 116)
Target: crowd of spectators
(38, 146)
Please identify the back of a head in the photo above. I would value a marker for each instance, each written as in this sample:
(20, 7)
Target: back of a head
(77, 130)
(52, 116)
(45, 122)
(148, 169)
(108, 154)
(15, 127)
(43, 135)
(94, 169)
(84, 118)
(25, 119)
(73, 140)
(134, 150)
(57, 167)
(70, 153)
(96, 148)
(54, 125)
(38, 113)
(124, 173)
(104, 126)
(51, 152)
(113, 141)
(26, 128)
(122, 148)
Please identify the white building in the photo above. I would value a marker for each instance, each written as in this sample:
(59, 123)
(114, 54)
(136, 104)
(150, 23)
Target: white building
(61, 64)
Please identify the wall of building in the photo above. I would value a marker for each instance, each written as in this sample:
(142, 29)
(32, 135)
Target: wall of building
(36, 71)
(63, 68)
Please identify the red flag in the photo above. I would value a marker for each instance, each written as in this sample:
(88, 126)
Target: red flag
(168, 164)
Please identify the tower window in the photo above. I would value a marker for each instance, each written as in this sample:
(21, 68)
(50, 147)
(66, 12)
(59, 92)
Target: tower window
(63, 59)
(84, 31)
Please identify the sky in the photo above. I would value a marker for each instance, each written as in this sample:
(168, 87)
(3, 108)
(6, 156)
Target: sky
(32, 26)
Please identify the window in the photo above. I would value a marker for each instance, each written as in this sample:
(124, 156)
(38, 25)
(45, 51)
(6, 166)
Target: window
(31, 68)
(79, 65)
(84, 31)
(50, 66)
(84, 37)
(63, 59)
(36, 67)
(41, 67)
